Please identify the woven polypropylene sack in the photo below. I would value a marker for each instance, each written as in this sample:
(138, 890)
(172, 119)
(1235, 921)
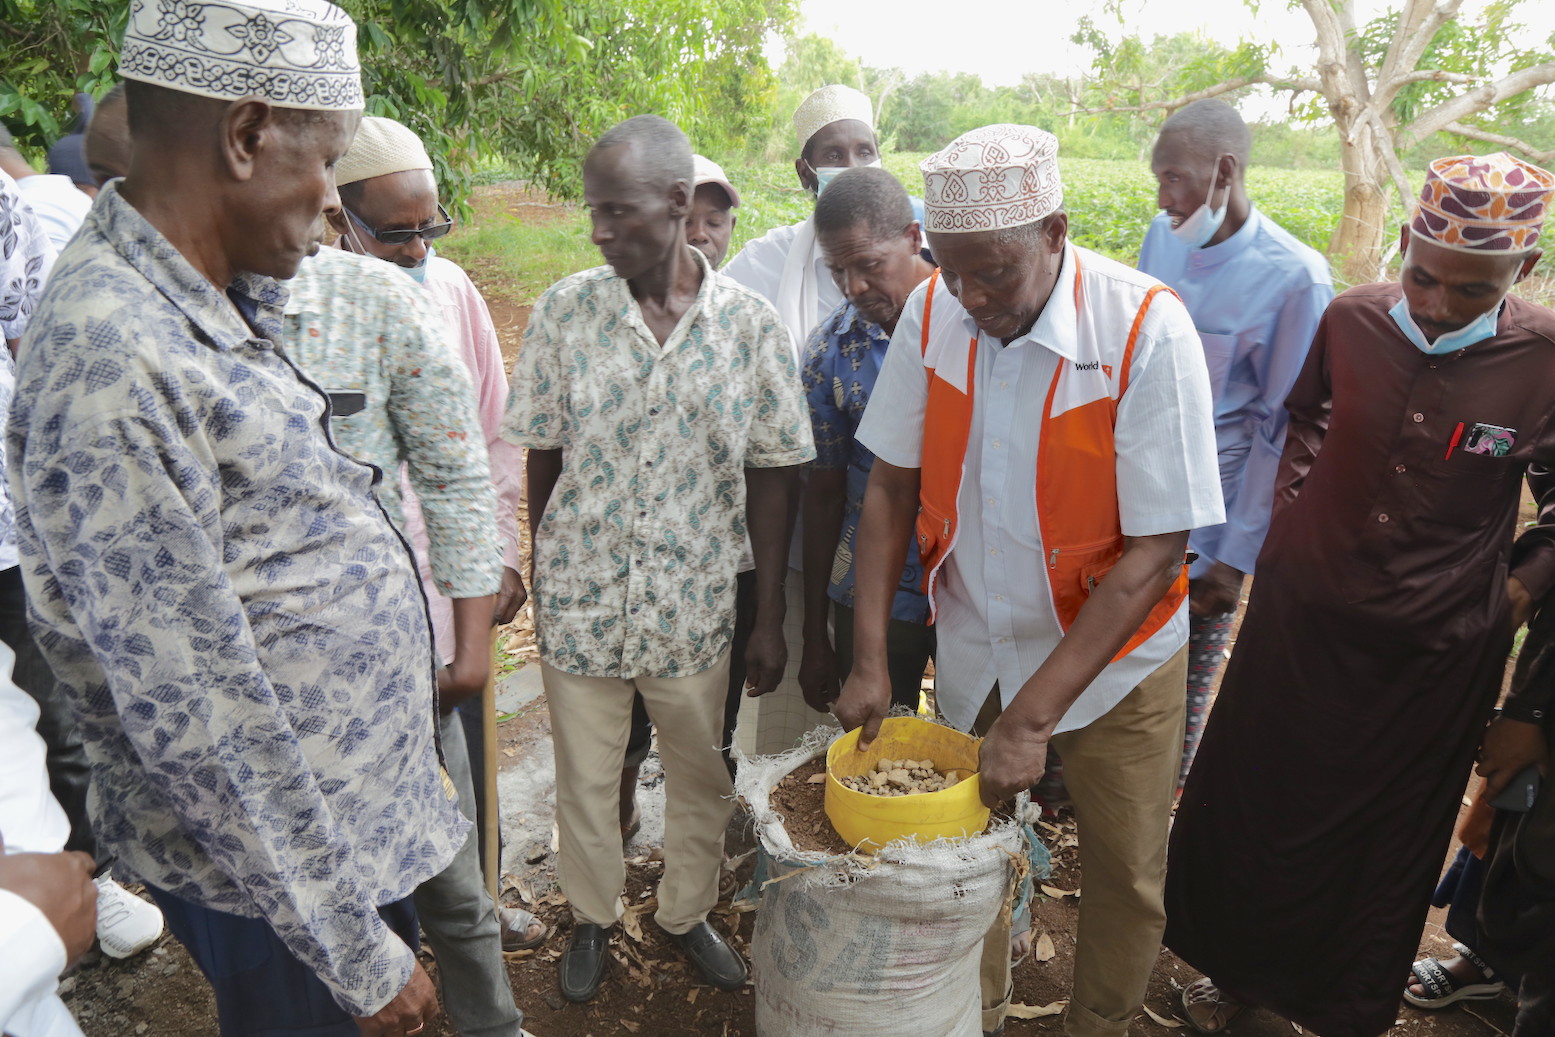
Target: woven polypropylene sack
(870, 946)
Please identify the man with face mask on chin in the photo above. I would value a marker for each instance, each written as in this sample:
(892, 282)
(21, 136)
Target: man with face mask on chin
(1319, 809)
(1255, 294)
(394, 362)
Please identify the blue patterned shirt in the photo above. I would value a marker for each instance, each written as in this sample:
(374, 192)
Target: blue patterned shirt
(636, 553)
(239, 627)
(841, 363)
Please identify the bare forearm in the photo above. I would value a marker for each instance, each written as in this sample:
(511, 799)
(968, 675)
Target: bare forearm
(825, 500)
(466, 675)
(1120, 603)
(771, 500)
(885, 527)
(541, 470)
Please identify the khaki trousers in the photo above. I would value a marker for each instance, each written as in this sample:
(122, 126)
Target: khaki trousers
(591, 718)
(1121, 771)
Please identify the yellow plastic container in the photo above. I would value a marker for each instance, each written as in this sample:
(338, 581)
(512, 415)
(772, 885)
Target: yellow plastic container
(869, 822)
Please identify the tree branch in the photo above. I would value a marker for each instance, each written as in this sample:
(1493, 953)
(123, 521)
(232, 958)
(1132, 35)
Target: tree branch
(1476, 100)
(1474, 133)
(1278, 82)
(1417, 26)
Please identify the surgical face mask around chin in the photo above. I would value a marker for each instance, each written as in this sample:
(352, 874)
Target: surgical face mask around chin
(1476, 330)
(418, 273)
(1202, 225)
(826, 174)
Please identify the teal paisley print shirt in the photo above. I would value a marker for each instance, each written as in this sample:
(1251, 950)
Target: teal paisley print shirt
(368, 335)
(239, 628)
(637, 550)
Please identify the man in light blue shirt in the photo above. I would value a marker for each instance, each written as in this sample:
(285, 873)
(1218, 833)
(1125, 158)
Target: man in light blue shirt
(1255, 294)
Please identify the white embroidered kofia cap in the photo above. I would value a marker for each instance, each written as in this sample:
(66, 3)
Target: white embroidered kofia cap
(831, 104)
(293, 53)
(381, 146)
(989, 179)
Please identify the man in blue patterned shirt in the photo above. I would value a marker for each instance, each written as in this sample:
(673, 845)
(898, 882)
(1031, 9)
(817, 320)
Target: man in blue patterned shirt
(869, 239)
(240, 627)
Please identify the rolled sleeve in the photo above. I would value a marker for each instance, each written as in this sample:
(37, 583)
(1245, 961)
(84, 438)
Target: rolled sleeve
(780, 428)
(1167, 472)
(892, 427)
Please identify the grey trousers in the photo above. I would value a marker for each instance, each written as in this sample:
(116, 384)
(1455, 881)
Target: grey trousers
(460, 921)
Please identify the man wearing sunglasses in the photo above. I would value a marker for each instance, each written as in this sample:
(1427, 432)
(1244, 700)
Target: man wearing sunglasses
(403, 399)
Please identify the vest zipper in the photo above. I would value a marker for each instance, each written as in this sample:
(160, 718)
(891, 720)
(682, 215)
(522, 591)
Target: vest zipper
(1052, 559)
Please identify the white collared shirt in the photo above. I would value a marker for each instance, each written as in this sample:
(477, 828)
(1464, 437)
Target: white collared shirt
(995, 619)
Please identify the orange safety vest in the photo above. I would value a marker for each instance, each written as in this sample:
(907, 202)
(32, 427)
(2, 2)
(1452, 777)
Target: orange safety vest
(1077, 491)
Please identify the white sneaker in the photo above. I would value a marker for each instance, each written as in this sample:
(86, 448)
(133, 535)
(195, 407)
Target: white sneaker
(126, 924)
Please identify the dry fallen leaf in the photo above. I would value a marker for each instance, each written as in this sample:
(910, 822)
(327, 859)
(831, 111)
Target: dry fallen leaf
(510, 751)
(1043, 949)
(1161, 1020)
(630, 1026)
(691, 995)
(1018, 1010)
(1059, 894)
(817, 779)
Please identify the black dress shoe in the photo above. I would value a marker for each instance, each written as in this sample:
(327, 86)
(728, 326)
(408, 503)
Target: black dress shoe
(582, 964)
(720, 965)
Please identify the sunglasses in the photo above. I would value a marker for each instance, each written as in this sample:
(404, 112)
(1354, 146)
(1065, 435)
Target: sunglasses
(402, 237)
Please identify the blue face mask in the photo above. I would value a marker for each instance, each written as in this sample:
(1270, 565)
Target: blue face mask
(418, 273)
(826, 174)
(1476, 330)
(1198, 228)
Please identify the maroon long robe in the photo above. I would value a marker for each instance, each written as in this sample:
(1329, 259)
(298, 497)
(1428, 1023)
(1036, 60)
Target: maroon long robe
(1319, 809)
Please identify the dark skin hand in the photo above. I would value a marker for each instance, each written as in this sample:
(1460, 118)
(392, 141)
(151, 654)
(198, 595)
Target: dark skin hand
(825, 499)
(511, 598)
(409, 1012)
(1216, 592)
(541, 470)
(59, 885)
(1509, 747)
(465, 677)
(771, 497)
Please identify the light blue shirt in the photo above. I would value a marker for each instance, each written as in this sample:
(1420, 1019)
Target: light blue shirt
(1255, 299)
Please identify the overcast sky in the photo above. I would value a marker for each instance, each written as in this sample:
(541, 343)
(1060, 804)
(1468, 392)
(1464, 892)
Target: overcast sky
(1001, 41)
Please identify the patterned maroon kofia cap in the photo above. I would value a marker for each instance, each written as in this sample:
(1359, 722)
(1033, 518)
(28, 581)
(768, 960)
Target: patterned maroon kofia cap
(1490, 203)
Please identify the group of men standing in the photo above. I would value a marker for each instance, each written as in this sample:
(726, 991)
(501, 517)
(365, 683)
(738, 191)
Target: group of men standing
(264, 501)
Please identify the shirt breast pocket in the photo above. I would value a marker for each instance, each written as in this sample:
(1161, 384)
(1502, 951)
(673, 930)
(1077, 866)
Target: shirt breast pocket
(1466, 490)
(1219, 357)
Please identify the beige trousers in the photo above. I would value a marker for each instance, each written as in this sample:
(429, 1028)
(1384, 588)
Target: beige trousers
(1121, 771)
(590, 720)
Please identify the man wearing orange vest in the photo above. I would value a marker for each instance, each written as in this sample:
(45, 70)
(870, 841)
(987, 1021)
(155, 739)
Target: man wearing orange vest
(1045, 414)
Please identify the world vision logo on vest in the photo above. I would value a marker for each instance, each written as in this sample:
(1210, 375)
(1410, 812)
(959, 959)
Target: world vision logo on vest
(1093, 365)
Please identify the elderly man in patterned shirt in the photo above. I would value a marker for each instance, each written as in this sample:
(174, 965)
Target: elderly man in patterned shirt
(401, 399)
(236, 619)
(660, 405)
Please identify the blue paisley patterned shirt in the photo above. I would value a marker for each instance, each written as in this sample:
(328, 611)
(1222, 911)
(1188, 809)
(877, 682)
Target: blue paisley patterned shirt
(637, 550)
(239, 626)
(841, 362)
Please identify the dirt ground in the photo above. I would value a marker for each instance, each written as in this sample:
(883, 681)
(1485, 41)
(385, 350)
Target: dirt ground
(649, 989)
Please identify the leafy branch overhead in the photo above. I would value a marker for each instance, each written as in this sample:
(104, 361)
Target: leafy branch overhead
(1388, 86)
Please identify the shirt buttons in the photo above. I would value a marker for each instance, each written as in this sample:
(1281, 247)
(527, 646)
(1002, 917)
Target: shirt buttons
(998, 597)
(1004, 383)
(997, 444)
(1400, 469)
(992, 502)
(1382, 518)
(1418, 417)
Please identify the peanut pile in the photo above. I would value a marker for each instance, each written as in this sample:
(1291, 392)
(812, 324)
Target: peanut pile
(903, 778)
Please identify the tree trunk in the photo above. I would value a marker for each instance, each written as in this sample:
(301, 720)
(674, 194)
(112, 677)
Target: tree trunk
(1356, 247)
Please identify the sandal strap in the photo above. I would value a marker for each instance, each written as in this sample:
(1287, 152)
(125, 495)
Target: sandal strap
(1433, 976)
(1468, 954)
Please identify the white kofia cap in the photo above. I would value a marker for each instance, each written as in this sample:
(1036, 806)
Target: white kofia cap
(992, 178)
(831, 104)
(292, 53)
(381, 146)
(706, 171)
